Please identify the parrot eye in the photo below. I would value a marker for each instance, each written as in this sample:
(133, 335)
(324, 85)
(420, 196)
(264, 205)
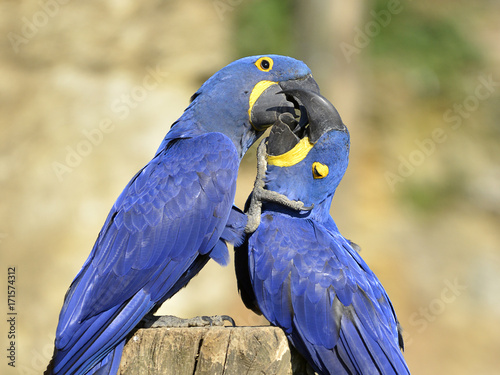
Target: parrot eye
(264, 63)
(319, 170)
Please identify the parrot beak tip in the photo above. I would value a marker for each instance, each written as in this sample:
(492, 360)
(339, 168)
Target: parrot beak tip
(317, 117)
(274, 101)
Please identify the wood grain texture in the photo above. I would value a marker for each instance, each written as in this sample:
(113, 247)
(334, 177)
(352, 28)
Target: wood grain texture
(211, 351)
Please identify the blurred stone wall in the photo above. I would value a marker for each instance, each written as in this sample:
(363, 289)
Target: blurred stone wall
(89, 89)
(87, 92)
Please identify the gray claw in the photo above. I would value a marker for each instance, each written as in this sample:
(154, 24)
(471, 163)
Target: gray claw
(227, 318)
(153, 321)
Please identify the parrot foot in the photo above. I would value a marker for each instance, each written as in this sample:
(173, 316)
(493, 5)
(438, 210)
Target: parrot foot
(272, 196)
(153, 321)
(260, 194)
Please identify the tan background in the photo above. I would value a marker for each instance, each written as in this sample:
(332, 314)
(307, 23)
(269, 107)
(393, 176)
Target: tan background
(120, 72)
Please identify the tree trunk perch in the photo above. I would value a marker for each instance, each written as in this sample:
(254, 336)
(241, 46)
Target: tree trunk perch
(211, 351)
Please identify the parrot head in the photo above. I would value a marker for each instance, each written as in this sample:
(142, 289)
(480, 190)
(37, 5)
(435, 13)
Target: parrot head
(246, 97)
(306, 163)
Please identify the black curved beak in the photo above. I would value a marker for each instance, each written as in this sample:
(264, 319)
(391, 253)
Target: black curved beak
(274, 101)
(308, 84)
(321, 115)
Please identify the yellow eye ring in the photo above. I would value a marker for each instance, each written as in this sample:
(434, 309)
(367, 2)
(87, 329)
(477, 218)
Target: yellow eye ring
(319, 170)
(264, 64)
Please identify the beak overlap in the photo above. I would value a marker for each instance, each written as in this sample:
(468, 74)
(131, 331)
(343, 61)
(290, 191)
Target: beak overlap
(321, 117)
(269, 100)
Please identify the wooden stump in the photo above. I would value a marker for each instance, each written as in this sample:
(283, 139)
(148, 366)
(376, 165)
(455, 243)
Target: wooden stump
(211, 351)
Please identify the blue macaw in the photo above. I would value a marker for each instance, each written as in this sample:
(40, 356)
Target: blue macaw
(174, 215)
(297, 269)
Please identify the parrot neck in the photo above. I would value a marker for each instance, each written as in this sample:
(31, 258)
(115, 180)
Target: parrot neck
(213, 113)
(187, 127)
(321, 210)
(179, 130)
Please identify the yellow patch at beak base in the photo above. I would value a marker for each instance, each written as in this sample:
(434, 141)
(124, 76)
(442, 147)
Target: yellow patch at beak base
(293, 156)
(257, 91)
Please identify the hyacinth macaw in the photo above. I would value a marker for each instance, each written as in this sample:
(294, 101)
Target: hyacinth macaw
(298, 270)
(174, 215)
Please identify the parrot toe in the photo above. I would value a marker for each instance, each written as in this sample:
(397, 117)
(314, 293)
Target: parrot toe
(170, 321)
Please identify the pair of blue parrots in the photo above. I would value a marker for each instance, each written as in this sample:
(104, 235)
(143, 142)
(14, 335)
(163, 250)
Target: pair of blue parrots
(177, 212)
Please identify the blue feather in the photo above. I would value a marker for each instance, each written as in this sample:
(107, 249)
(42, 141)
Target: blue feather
(307, 279)
(220, 253)
(169, 220)
(234, 231)
(118, 256)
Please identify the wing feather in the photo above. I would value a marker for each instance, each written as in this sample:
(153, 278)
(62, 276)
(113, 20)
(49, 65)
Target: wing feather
(151, 244)
(308, 280)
